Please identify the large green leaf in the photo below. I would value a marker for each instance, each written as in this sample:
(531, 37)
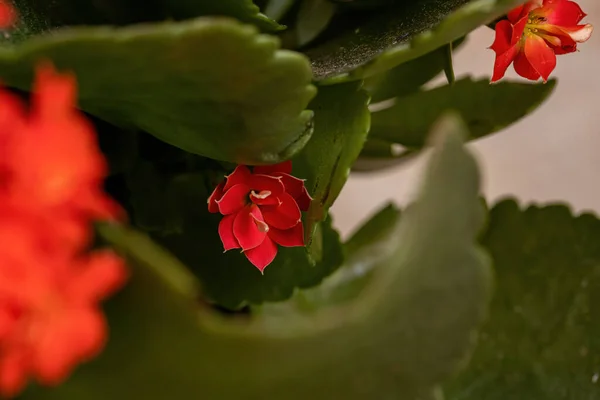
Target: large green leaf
(409, 77)
(394, 35)
(542, 339)
(385, 344)
(370, 246)
(210, 86)
(313, 17)
(342, 122)
(486, 109)
(277, 9)
(243, 10)
(228, 278)
(38, 16)
(378, 154)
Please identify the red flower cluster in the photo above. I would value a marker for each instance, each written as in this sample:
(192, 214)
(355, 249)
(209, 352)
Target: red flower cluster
(262, 209)
(51, 174)
(534, 34)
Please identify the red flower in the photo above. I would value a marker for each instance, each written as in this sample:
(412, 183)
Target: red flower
(534, 34)
(51, 176)
(261, 210)
(8, 16)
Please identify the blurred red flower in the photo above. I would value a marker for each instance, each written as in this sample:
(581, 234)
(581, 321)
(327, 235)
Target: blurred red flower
(51, 176)
(8, 15)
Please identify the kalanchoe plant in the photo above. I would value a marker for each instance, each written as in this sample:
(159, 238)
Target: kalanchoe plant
(121, 120)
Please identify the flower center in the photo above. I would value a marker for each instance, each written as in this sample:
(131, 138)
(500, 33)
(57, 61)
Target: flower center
(263, 194)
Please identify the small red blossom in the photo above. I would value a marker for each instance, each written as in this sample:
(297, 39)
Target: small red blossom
(261, 209)
(51, 176)
(8, 15)
(534, 33)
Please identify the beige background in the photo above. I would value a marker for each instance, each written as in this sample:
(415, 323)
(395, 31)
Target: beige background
(552, 155)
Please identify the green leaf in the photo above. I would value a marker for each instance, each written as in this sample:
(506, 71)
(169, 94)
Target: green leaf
(399, 34)
(486, 109)
(385, 344)
(364, 4)
(342, 122)
(228, 278)
(38, 16)
(541, 341)
(408, 78)
(277, 9)
(313, 17)
(372, 244)
(243, 10)
(378, 154)
(213, 87)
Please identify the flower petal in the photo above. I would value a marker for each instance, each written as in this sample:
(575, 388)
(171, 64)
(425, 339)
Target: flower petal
(263, 198)
(14, 369)
(515, 14)
(523, 10)
(8, 15)
(293, 185)
(304, 200)
(262, 255)
(506, 46)
(259, 182)
(226, 233)
(293, 237)
(503, 61)
(541, 57)
(249, 227)
(240, 175)
(234, 199)
(98, 276)
(74, 336)
(213, 207)
(561, 12)
(523, 68)
(274, 170)
(576, 33)
(284, 216)
(503, 38)
(53, 93)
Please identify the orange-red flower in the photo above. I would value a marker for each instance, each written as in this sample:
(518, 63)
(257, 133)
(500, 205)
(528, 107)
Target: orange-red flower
(262, 209)
(534, 34)
(8, 15)
(51, 176)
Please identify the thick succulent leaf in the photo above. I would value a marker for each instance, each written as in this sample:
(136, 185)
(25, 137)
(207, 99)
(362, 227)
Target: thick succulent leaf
(408, 78)
(398, 34)
(313, 17)
(541, 341)
(243, 10)
(277, 9)
(342, 121)
(385, 344)
(228, 278)
(213, 87)
(364, 4)
(378, 154)
(372, 244)
(486, 109)
(38, 16)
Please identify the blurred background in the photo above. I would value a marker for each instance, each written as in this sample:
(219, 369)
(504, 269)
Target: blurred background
(553, 155)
